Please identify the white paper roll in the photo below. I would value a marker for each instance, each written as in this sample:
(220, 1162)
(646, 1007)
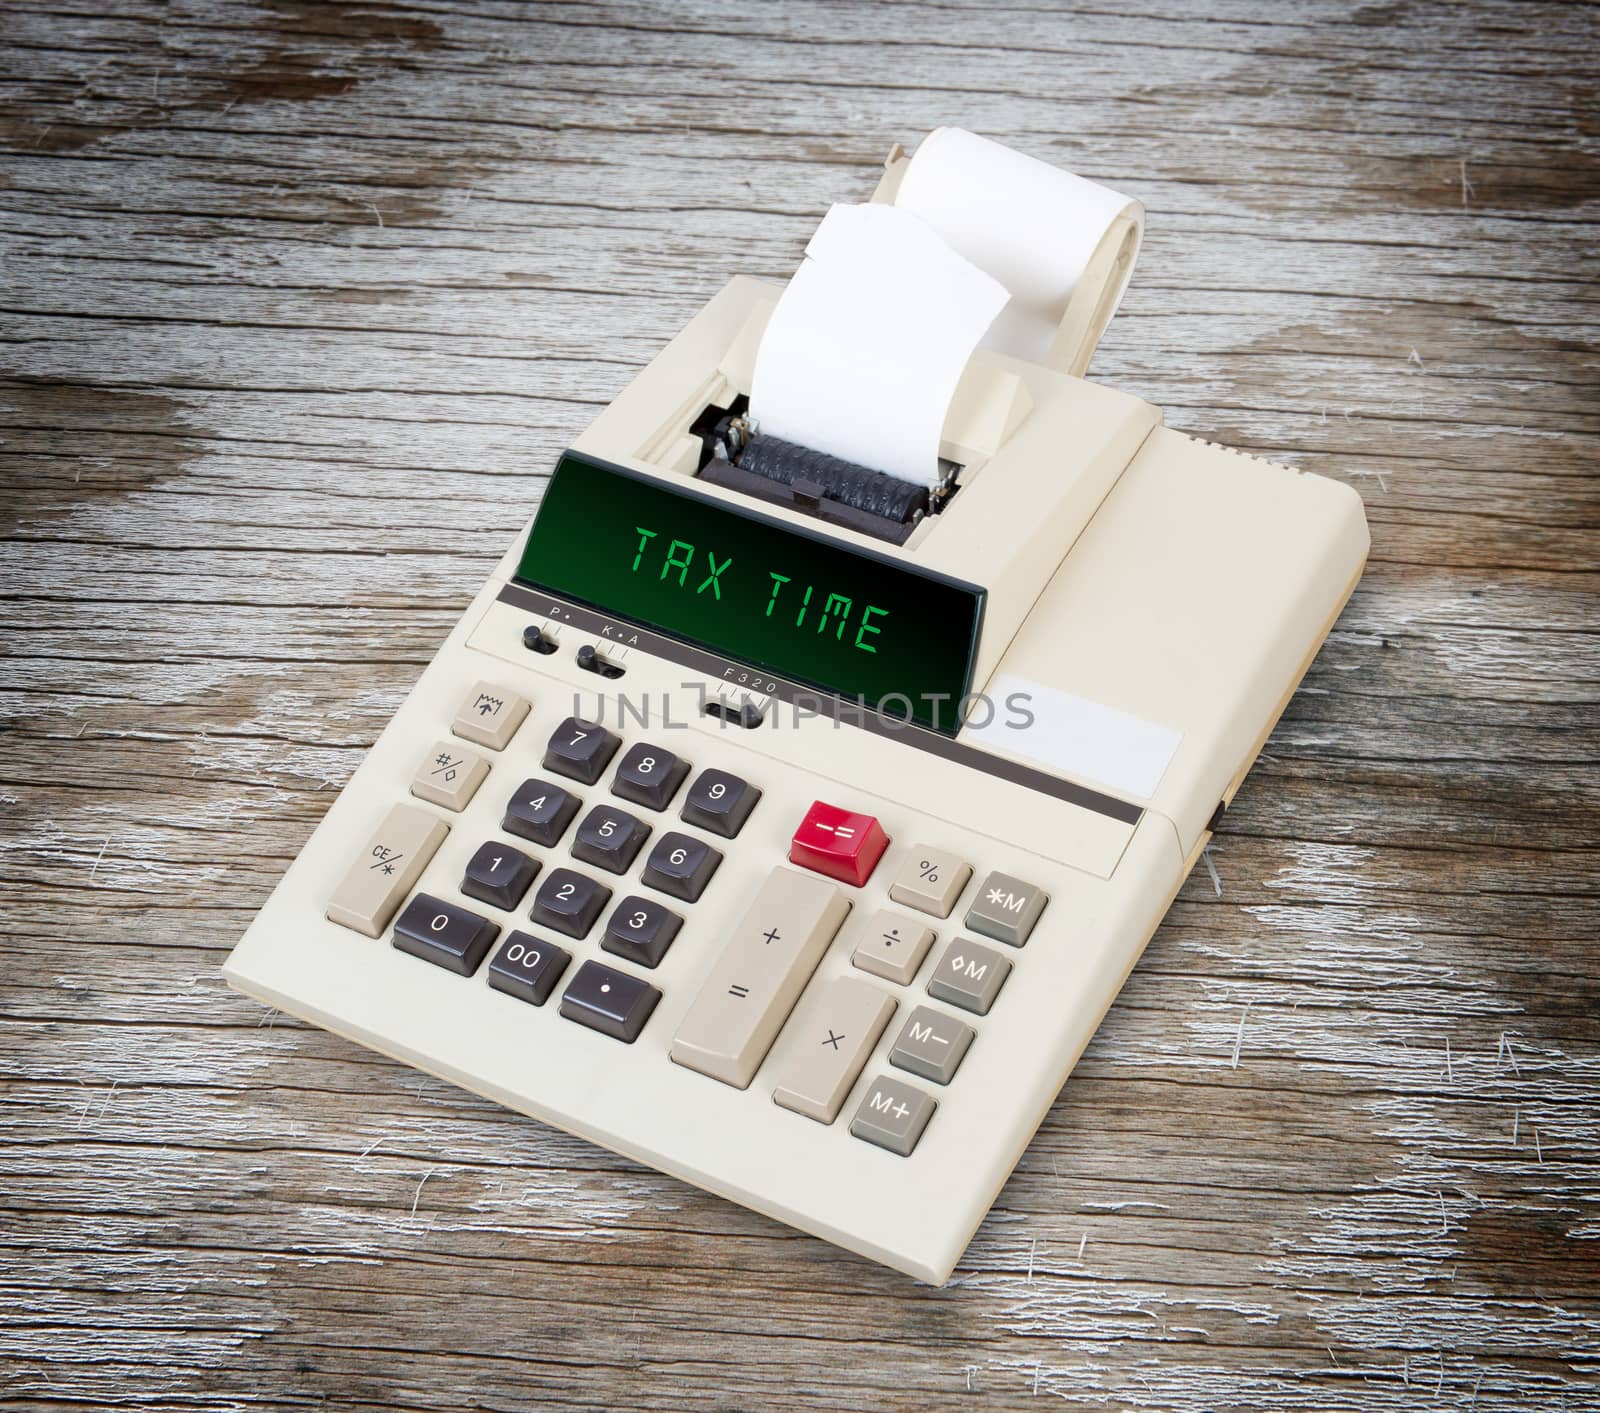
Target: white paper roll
(1033, 227)
(863, 353)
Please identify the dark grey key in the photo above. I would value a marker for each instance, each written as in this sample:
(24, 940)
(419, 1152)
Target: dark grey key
(609, 838)
(540, 811)
(931, 1044)
(893, 1115)
(568, 903)
(719, 803)
(680, 866)
(641, 930)
(969, 976)
(609, 1001)
(580, 750)
(527, 968)
(1006, 909)
(649, 776)
(441, 933)
(499, 874)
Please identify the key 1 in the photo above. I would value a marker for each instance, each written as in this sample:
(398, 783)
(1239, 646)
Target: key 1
(609, 1001)
(719, 803)
(649, 776)
(441, 933)
(499, 875)
(609, 838)
(680, 866)
(539, 811)
(527, 968)
(580, 750)
(568, 903)
(641, 930)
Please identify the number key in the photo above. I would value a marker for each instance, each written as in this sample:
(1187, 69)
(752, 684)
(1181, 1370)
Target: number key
(641, 930)
(527, 968)
(680, 866)
(441, 933)
(568, 903)
(499, 874)
(719, 802)
(539, 811)
(580, 750)
(609, 838)
(649, 776)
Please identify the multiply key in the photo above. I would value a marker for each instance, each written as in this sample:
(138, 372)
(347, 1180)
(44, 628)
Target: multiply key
(826, 1044)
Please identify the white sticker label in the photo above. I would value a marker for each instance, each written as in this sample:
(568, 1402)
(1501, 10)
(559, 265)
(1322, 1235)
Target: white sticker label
(1079, 739)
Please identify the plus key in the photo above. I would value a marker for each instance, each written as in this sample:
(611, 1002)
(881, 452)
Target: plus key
(838, 843)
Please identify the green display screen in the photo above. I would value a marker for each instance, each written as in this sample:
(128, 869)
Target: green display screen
(864, 626)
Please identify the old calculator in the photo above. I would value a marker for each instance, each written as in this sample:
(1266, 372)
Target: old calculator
(793, 843)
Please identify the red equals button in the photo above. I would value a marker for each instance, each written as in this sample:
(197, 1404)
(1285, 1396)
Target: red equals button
(838, 843)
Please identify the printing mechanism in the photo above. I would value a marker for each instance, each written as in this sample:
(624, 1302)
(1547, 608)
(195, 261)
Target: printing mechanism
(734, 454)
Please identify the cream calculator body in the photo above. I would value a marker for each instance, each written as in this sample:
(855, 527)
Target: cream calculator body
(797, 857)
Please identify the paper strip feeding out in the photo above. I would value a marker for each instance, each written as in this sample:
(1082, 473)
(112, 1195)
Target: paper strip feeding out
(1033, 227)
(863, 353)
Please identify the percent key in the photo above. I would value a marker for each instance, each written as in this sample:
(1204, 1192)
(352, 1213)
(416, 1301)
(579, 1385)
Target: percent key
(930, 880)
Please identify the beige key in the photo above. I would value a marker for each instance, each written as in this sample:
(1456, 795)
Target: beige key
(449, 776)
(930, 880)
(386, 868)
(754, 984)
(489, 714)
(892, 946)
(826, 1044)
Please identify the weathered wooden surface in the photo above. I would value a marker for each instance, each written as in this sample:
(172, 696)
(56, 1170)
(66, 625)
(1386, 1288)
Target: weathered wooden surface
(299, 301)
